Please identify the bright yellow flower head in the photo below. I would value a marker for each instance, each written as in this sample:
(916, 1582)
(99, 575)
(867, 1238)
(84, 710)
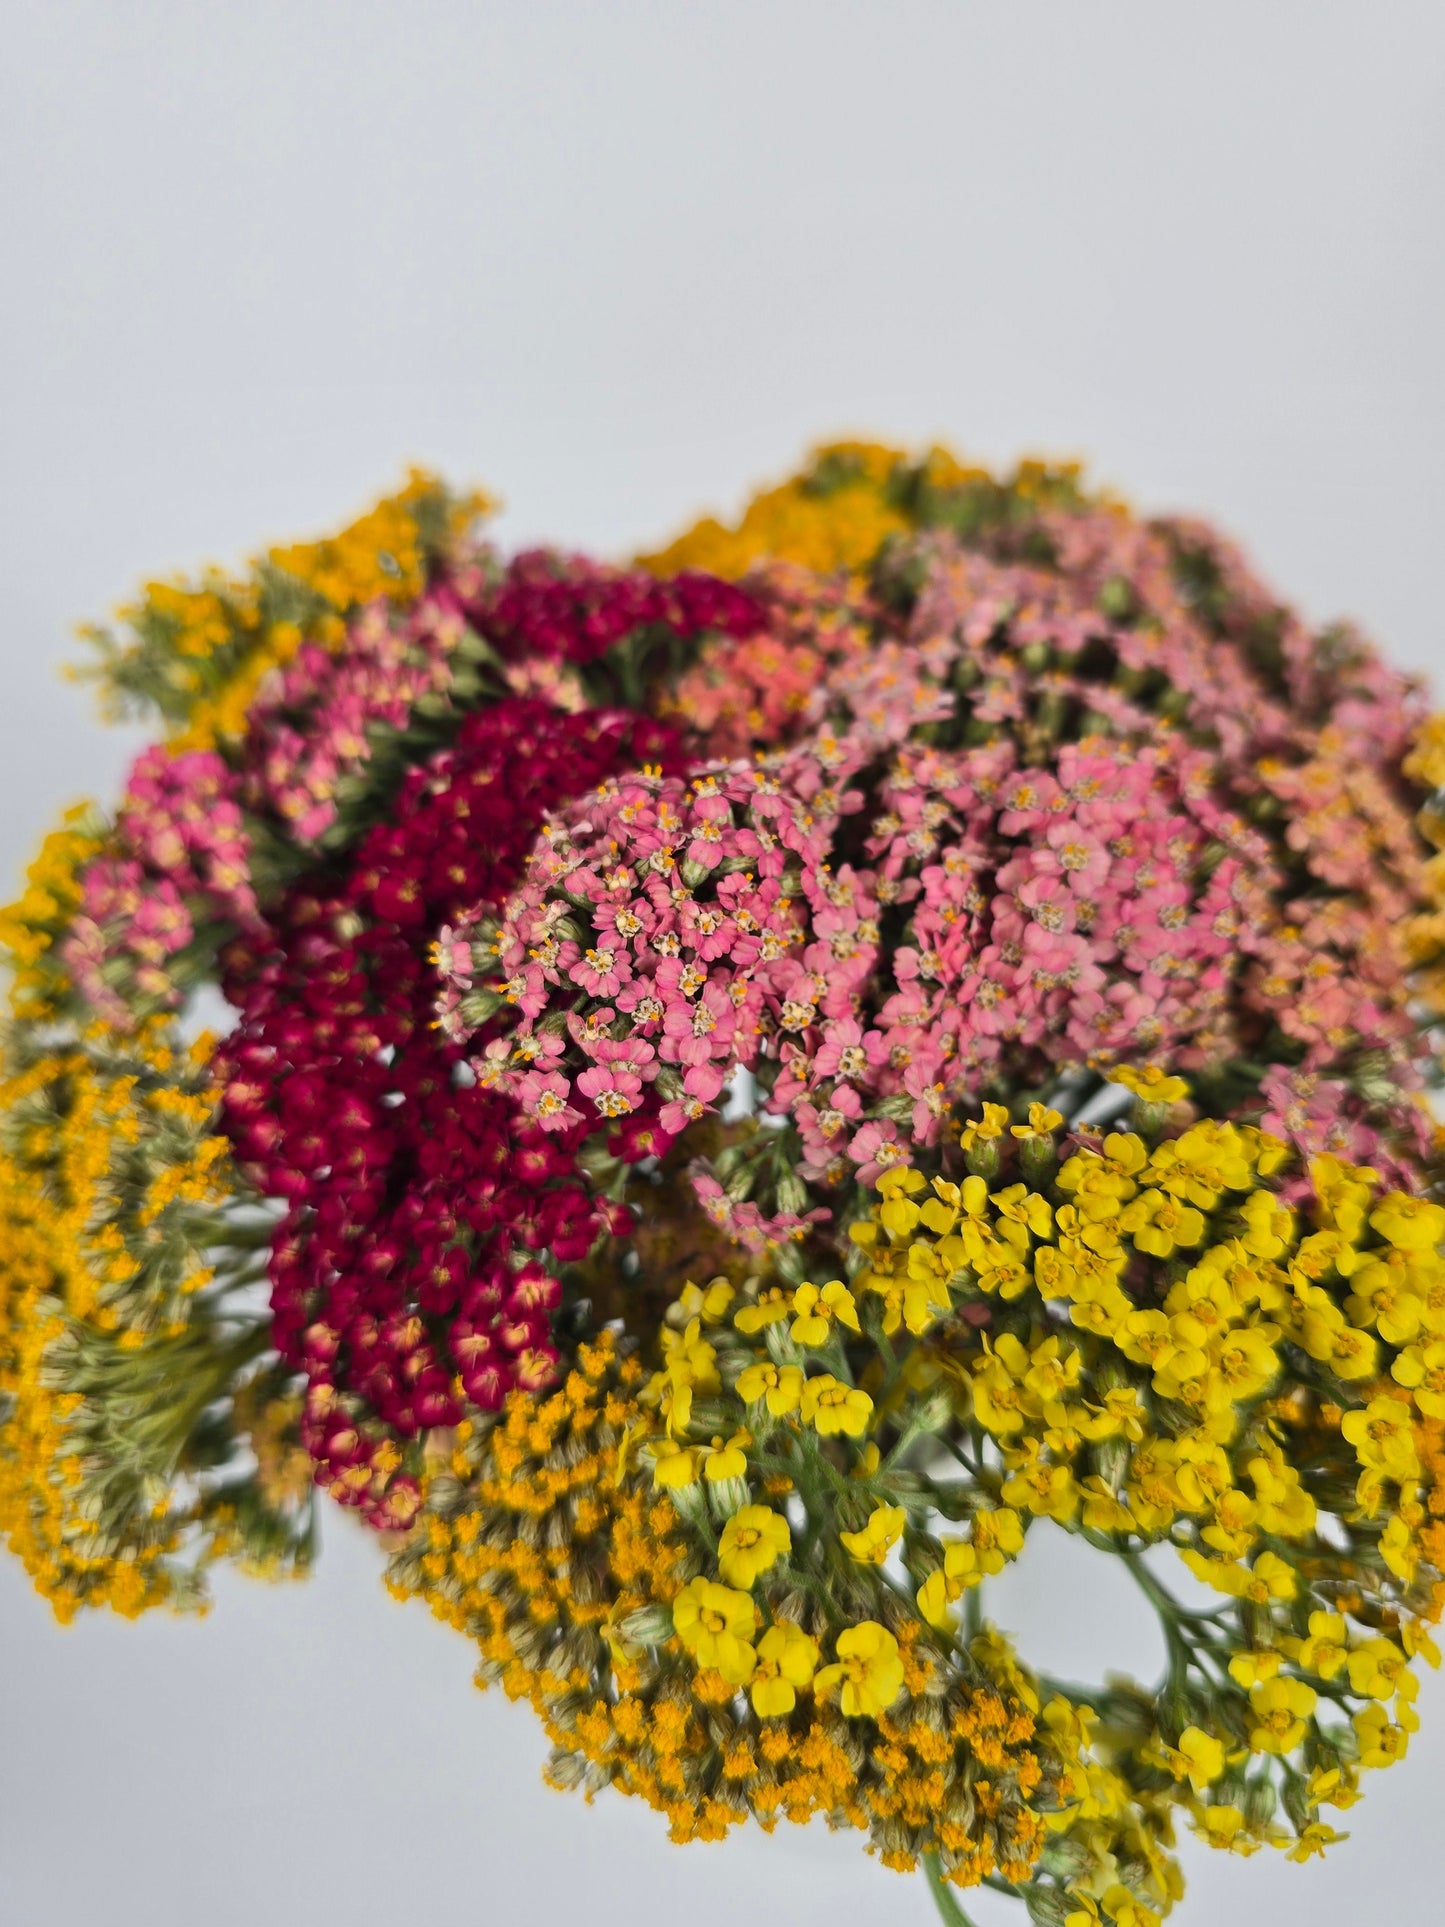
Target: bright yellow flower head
(868, 1675)
(1381, 1741)
(817, 1308)
(1042, 1122)
(673, 1466)
(1278, 1711)
(1224, 1826)
(716, 1626)
(709, 1303)
(879, 1536)
(1325, 1651)
(770, 1308)
(985, 1129)
(726, 1459)
(1152, 1083)
(753, 1540)
(1199, 1758)
(831, 1407)
(1313, 1841)
(1248, 1669)
(787, 1660)
(1384, 1441)
(779, 1387)
(1409, 1224)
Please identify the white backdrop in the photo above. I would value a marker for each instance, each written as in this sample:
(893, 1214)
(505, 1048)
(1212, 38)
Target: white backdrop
(620, 262)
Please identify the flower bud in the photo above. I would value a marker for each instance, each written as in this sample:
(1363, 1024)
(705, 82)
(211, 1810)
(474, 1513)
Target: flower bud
(649, 1626)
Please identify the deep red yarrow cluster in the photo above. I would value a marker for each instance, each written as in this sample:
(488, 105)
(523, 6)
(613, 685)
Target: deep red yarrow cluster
(417, 1262)
(553, 608)
(412, 1196)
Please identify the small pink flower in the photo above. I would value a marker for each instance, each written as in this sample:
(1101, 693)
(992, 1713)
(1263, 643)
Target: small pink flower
(543, 1097)
(613, 1090)
(875, 1148)
(602, 972)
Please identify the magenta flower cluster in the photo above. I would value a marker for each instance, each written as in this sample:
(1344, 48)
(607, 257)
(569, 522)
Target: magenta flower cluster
(416, 1264)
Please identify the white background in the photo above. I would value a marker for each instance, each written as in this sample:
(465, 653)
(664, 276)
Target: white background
(620, 262)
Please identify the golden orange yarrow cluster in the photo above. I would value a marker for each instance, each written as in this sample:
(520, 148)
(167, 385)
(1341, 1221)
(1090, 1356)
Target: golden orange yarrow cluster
(550, 1541)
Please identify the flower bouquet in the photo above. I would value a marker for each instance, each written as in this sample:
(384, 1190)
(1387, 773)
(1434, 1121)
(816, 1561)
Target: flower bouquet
(752, 1082)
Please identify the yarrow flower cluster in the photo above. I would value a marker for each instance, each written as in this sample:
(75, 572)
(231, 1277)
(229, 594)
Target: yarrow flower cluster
(412, 1196)
(1047, 918)
(753, 1079)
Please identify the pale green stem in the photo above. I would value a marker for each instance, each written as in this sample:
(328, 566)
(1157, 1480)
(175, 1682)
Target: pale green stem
(949, 1910)
(973, 1612)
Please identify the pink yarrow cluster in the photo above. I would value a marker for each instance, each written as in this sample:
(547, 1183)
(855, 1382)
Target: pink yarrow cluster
(184, 824)
(313, 726)
(1304, 731)
(691, 945)
(669, 933)
(186, 853)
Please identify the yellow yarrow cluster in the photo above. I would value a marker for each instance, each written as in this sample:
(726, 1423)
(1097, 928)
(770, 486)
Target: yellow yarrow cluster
(844, 504)
(797, 522)
(115, 1336)
(63, 1256)
(199, 651)
(32, 927)
(676, 1647)
(1143, 1341)
(788, 1505)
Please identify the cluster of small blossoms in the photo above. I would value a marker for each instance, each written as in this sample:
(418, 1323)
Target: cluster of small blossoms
(313, 729)
(670, 983)
(276, 686)
(34, 929)
(1140, 1340)
(179, 850)
(202, 833)
(294, 734)
(298, 698)
(197, 653)
(479, 630)
(1046, 620)
(852, 499)
(596, 929)
(124, 1345)
(1425, 931)
(134, 1373)
(1161, 615)
(670, 932)
(555, 608)
(757, 689)
(416, 1264)
(809, 1500)
(1130, 1334)
(566, 1543)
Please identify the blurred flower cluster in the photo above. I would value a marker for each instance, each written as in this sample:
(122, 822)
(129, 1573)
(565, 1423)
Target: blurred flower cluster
(753, 1082)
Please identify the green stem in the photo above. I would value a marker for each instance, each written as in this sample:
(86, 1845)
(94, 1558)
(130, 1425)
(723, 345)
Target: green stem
(949, 1910)
(1188, 1646)
(240, 1237)
(973, 1613)
(1160, 1596)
